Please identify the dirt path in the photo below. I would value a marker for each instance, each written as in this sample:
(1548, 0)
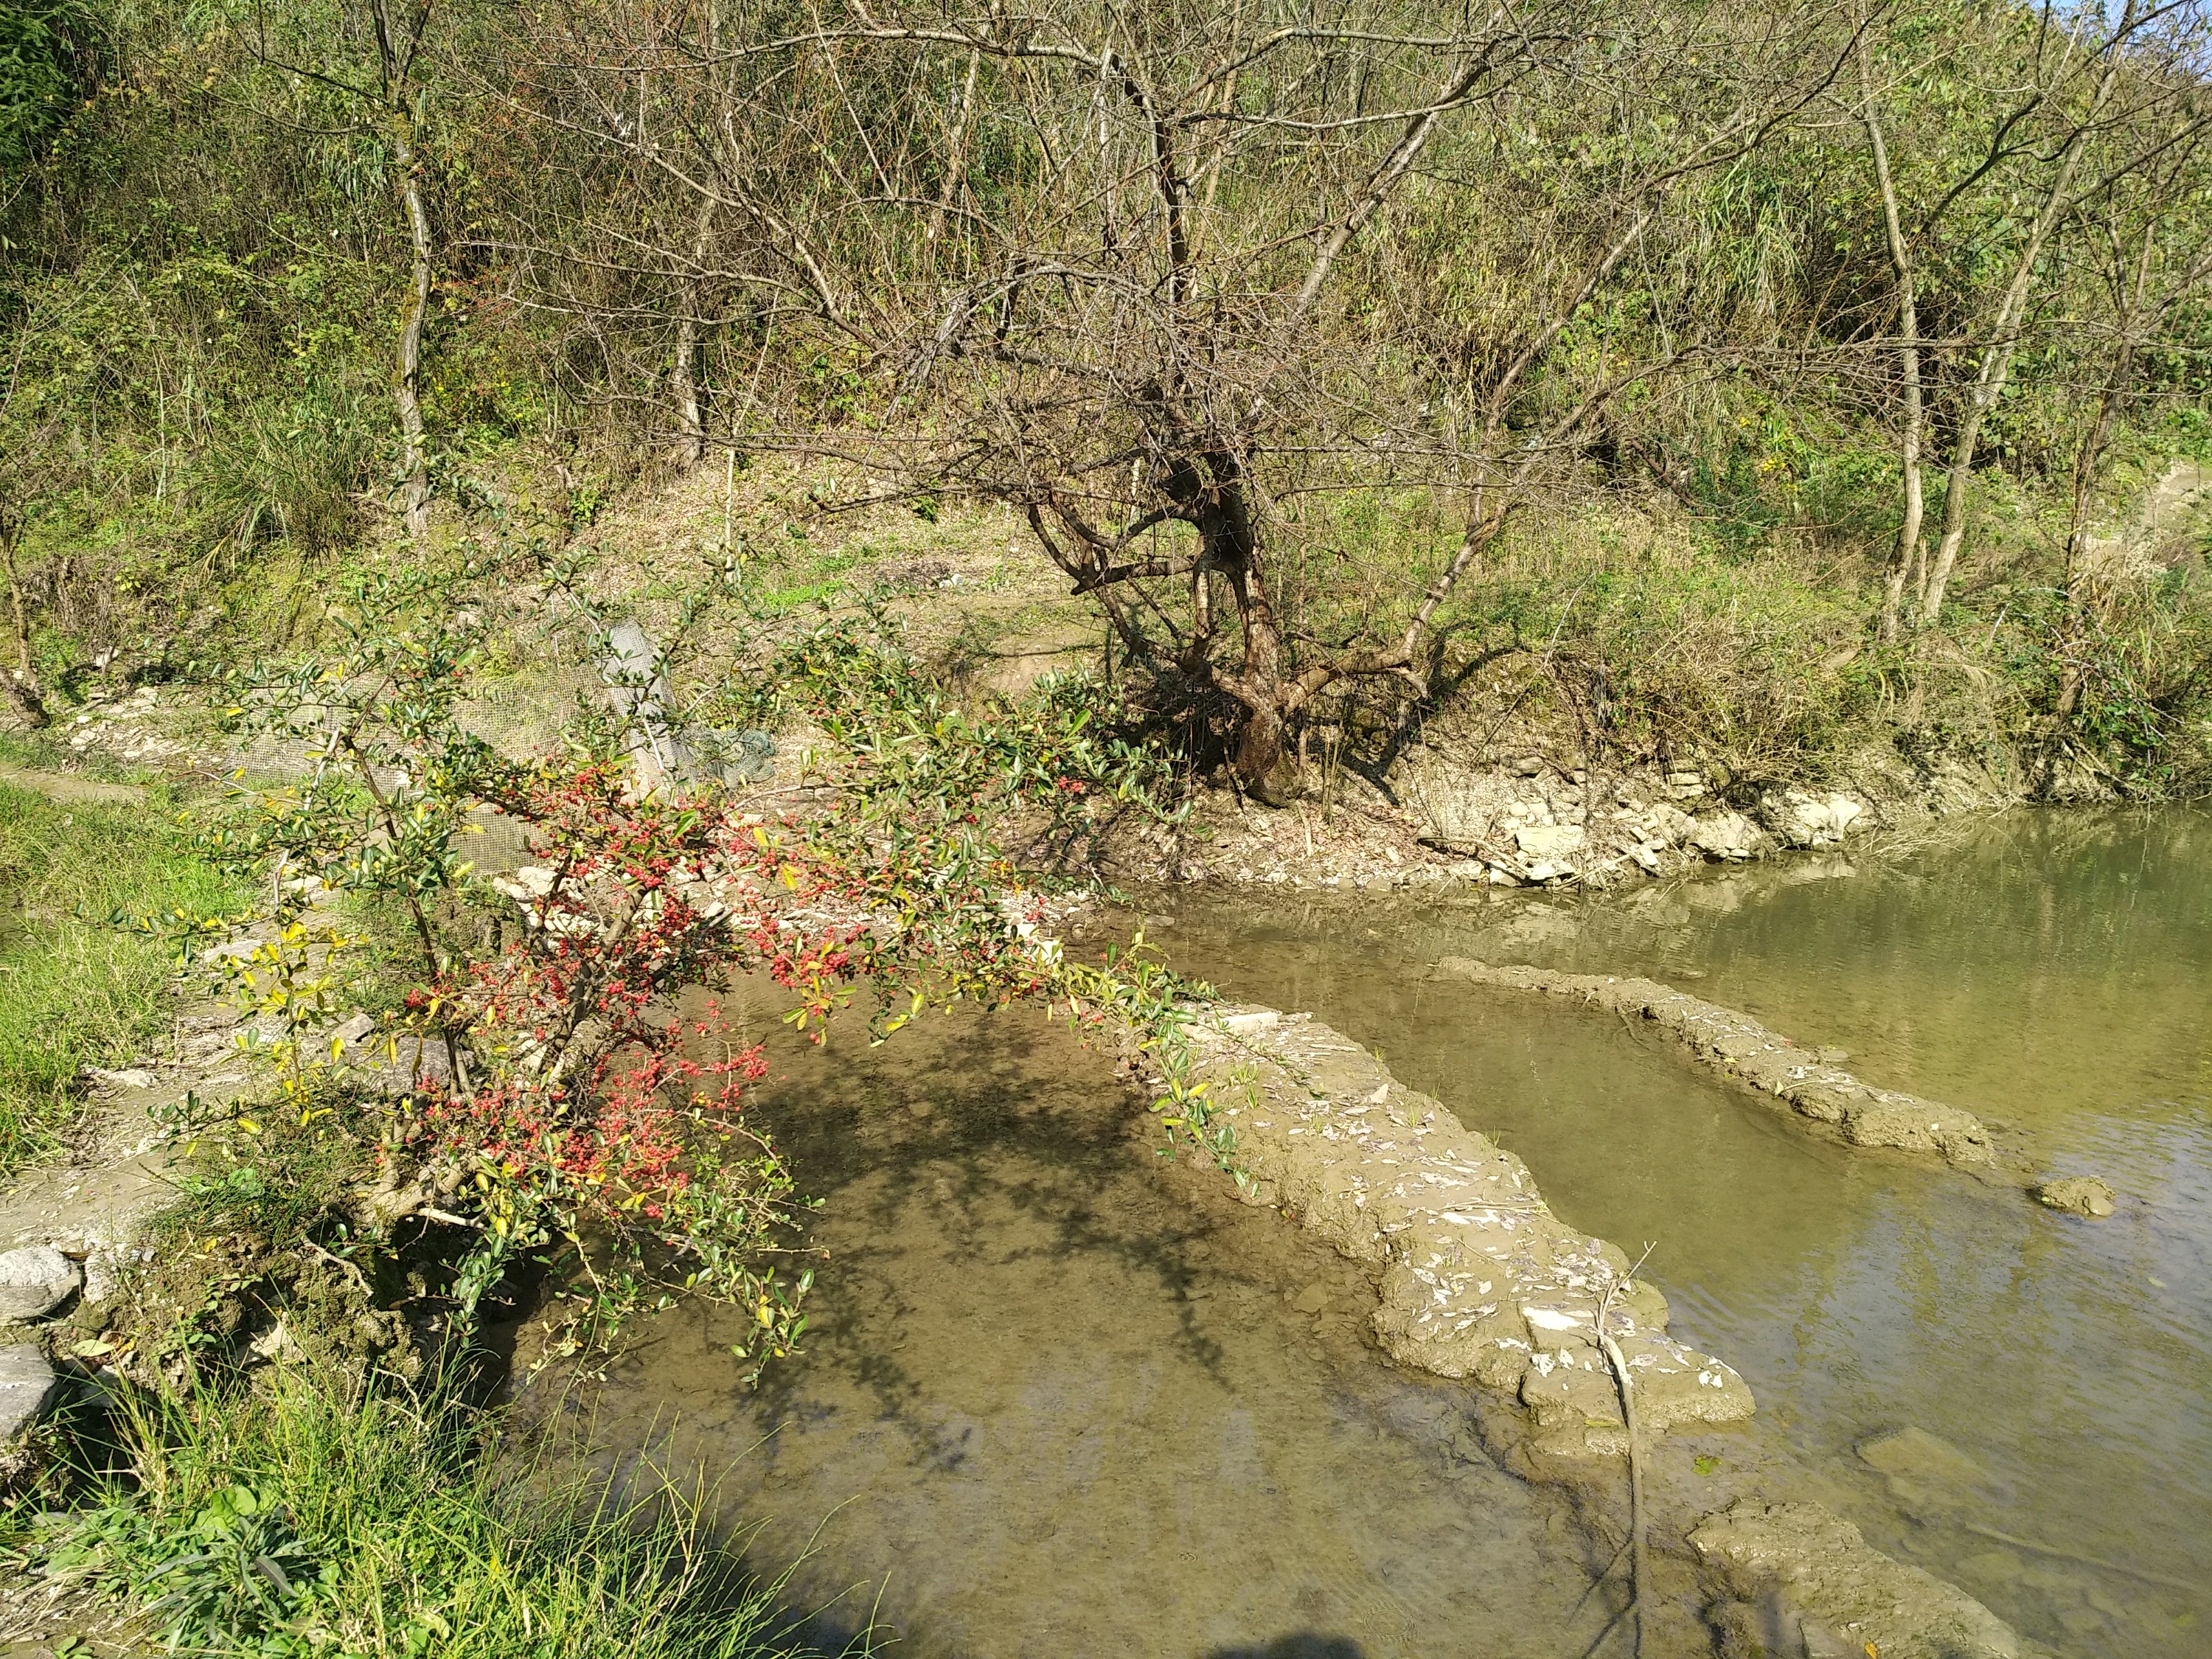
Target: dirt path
(62, 787)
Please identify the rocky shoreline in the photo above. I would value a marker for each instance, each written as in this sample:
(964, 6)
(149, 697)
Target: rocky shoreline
(1517, 818)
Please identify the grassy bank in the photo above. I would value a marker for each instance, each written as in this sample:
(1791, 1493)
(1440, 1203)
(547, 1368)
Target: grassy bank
(285, 1518)
(75, 991)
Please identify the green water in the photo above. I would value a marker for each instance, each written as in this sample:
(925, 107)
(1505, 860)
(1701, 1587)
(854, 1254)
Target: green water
(2053, 974)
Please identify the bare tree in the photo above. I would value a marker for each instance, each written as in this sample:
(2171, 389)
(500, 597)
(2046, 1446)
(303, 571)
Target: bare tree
(2152, 254)
(1908, 549)
(2098, 107)
(1184, 312)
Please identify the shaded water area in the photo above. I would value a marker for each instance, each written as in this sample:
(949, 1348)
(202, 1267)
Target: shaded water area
(1060, 1396)
(2049, 972)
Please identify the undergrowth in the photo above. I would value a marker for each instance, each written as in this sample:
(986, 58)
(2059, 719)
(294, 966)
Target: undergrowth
(290, 1517)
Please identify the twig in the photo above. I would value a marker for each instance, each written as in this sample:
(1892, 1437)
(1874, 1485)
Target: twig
(2052, 1549)
(320, 1253)
(1619, 1362)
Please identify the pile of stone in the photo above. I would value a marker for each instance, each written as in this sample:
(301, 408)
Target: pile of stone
(1529, 824)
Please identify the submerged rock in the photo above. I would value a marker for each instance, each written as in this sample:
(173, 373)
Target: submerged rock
(1927, 1476)
(34, 1281)
(1913, 1454)
(2081, 1196)
(1736, 1043)
(27, 1387)
(1479, 1279)
(1818, 1563)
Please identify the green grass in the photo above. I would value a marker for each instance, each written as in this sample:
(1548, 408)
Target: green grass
(75, 991)
(281, 1518)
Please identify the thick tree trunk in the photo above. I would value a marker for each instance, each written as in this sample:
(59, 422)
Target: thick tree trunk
(1210, 487)
(407, 394)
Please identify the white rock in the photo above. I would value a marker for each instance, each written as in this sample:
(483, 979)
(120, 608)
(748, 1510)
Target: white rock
(103, 1273)
(27, 1387)
(1798, 819)
(1251, 1024)
(1727, 836)
(36, 1280)
(1550, 843)
(134, 1077)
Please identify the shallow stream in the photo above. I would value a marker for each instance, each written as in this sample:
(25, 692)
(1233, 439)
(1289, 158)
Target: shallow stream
(1061, 1397)
(2051, 973)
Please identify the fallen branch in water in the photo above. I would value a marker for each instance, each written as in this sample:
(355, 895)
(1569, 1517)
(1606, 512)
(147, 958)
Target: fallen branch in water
(2057, 1553)
(1619, 1362)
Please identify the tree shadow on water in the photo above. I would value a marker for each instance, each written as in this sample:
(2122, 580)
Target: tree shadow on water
(1304, 1644)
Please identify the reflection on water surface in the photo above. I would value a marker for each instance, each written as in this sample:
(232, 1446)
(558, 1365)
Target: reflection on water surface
(1061, 1398)
(2049, 972)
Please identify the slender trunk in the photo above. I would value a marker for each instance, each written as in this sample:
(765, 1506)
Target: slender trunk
(1214, 168)
(2002, 347)
(24, 686)
(690, 419)
(691, 414)
(1908, 332)
(956, 156)
(407, 394)
(2087, 459)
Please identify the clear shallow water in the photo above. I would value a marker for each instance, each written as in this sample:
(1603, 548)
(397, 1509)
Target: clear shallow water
(1062, 1398)
(2052, 973)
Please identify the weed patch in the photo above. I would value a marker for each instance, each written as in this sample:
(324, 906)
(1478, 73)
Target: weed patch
(296, 1517)
(75, 991)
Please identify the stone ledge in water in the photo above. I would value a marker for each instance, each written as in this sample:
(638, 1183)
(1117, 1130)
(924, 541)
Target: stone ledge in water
(1860, 1115)
(1479, 1279)
(2081, 1196)
(1819, 1564)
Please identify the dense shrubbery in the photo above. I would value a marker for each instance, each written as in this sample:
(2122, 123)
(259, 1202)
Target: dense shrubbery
(206, 265)
(582, 1110)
